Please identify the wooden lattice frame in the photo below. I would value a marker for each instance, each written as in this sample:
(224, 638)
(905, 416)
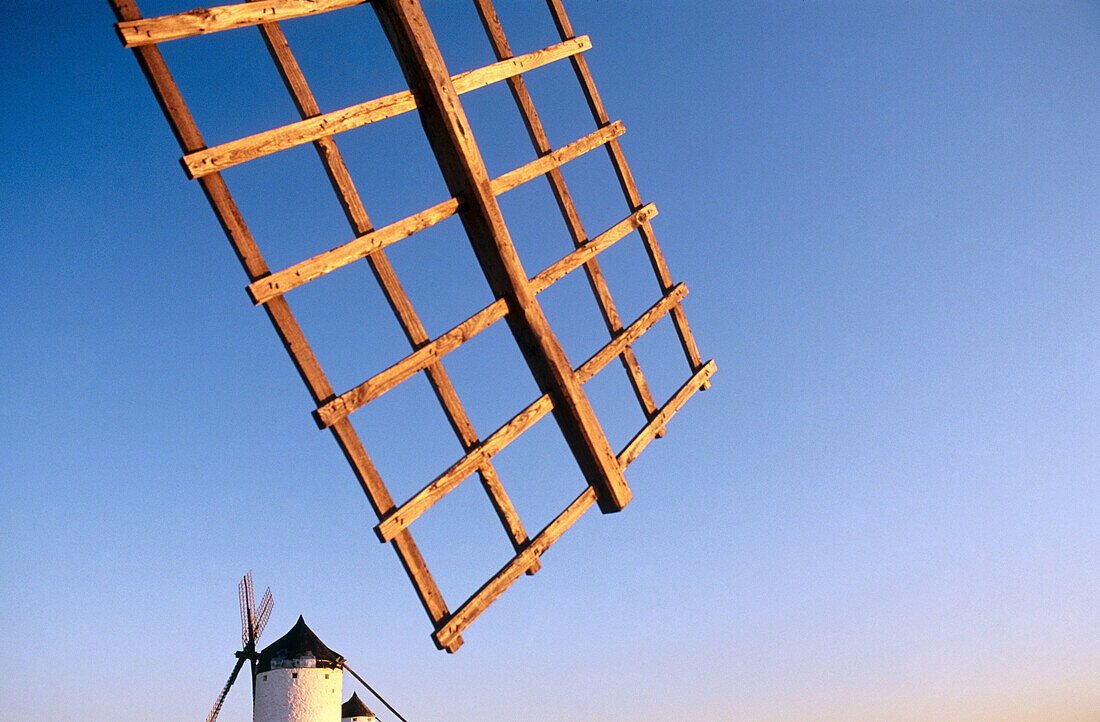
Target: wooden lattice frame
(434, 93)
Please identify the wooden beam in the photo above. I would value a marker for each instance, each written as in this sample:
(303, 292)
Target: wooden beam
(697, 381)
(368, 243)
(591, 248)
(492, 589)
(453, 143)
(305, 271)
(186, 131)
(535, 131)
(227, 155)
(400, 518)
(423, 500)
(431, 352)
(148, 31)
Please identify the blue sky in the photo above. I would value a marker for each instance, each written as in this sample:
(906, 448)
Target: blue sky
(885, 507)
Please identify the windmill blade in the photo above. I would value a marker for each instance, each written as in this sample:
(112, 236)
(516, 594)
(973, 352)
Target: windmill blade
(244, 612)
(248, 609)
(225, 690)
(264, 613)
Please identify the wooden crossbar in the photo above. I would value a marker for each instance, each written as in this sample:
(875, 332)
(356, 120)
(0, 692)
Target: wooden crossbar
(149, 31)
(305, 271)
(227, 155)
(385, 380)
(492, 589)
(401, 517)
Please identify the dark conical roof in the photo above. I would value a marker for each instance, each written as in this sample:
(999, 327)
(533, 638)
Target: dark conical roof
(300, 641)
(354, 707)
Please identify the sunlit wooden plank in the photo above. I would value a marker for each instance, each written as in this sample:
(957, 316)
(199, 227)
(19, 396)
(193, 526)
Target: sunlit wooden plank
(229, 154)
(147, 31)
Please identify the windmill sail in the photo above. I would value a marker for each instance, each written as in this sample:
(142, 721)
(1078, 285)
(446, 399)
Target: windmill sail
(253, 621)
(225, 690)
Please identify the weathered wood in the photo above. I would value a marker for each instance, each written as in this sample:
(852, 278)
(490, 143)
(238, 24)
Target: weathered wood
(493, 28)
(697, 381)
(385, 380)
(553, 160)
(301, 273)
(431, 352)
(226, 155)
(631, 333)
(423, 500)
(305, 271)
(452, 141)
(591, 248)
(148, 31)
(400, 518)
(414, 330)
(183, 126)
(626, 182)
(492, 589)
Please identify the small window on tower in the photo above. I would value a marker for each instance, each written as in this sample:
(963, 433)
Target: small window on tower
(294, 675)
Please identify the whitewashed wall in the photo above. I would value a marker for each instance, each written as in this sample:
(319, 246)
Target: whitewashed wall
(312, 696)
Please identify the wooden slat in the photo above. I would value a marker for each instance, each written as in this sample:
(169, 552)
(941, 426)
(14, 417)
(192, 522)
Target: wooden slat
(626, 181)
(414, 330)
(385, 380)
(631, 333)
(492, 589)
(301, 273)
(183, 126)
(493, 28)
(590, 249)
(553, 160)
(400, 518)
(148, 31)
(226, 155)
(430, 353)
(423, 500)
(452, 141)
(697, 381)
(305, 271)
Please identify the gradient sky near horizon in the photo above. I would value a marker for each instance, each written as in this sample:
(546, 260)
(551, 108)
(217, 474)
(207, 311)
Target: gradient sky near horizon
(885, 508)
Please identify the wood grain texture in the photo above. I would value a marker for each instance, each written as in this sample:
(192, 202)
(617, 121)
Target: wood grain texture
(148, 31)
(697, 381)
(431, 352)
(456, 151)
(363, 246)
(301, 273)
(420, 502)
(227, 155)
(492, 589)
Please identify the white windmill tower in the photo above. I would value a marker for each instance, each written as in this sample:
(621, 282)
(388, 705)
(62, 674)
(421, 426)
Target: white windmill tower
(355, 711)
(298, 679)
